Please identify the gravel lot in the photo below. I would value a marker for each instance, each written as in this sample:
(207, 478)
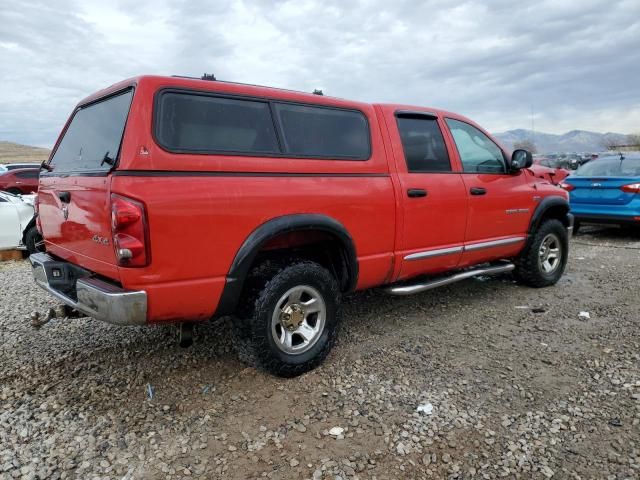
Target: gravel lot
(520, 386)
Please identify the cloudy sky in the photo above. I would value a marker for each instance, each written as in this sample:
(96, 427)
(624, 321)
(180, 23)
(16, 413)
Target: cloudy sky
(574, 63)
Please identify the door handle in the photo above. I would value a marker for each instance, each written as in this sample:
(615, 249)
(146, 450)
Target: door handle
(416, 192)
(64, 197)
(478, 191)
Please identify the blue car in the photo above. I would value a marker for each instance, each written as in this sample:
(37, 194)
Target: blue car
(606, 190)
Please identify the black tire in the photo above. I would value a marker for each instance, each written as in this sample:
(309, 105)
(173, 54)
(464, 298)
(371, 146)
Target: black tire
(33, 241)
(256, 343)
(529, 266)
(576, 227)
(14, 191)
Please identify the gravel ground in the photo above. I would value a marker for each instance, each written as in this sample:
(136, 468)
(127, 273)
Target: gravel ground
(519, 385)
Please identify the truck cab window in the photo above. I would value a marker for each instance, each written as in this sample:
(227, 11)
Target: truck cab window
(423, 145)
(478, 153)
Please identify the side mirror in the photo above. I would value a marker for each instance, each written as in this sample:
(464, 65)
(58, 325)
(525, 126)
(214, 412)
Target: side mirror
(520, 159)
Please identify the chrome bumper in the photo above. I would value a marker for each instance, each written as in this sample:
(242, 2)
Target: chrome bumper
(95, 298)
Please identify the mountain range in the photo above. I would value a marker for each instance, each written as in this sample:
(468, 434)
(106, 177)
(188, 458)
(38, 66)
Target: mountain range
(573, 141)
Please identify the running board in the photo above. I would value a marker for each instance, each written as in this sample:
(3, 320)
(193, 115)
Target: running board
(440, 282)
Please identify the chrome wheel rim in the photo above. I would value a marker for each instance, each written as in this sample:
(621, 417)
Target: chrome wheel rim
(550, 253)
(298, 319)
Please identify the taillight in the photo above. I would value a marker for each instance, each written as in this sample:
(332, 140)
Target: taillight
(631, 188)
(129, 231)
(567, 186)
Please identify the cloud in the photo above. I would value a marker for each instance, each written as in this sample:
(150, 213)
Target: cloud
(575, 64)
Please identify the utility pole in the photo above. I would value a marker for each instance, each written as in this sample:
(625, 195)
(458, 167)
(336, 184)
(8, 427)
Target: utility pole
(533, 128)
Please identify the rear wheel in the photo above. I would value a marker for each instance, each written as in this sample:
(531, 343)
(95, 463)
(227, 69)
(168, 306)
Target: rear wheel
(14, 191)
(293, 319)
(543, 261)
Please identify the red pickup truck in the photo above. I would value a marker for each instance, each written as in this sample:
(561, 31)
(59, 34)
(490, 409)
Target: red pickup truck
(170, 199)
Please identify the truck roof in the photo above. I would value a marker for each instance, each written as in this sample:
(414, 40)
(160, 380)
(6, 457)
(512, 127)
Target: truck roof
(250, 89)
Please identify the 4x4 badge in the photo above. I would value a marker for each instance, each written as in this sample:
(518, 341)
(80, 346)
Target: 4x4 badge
(65, 212)
(100, 240)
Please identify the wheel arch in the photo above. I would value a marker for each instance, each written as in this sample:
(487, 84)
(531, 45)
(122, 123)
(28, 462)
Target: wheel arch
(262, 235)
(551, 207)
(32, 223)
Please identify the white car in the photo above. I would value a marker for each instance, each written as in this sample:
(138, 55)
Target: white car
(17, 223)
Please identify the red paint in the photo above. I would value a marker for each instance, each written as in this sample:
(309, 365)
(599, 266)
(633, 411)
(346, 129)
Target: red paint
(189, 228)
(19, 180)
(553, 175)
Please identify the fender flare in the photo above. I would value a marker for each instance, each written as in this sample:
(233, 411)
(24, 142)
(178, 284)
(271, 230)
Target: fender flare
(32, 223)
(548, 203)
(249, 249)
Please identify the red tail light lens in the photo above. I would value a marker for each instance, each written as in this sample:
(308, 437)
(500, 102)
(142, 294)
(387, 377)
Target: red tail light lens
(567, 186)
(631, 188)
(129, 230)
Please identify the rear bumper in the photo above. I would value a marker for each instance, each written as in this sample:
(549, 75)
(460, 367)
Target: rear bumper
(96, 298)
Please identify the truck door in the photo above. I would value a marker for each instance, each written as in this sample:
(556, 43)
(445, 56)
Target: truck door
(433, 201)
(500, 203)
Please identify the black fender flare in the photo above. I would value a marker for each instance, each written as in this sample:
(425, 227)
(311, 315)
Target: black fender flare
(554, 206)
(553, 202)
(32, 223)
(248, 251)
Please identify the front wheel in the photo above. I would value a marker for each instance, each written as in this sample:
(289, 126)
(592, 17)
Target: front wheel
(293, 319)
(543, 261)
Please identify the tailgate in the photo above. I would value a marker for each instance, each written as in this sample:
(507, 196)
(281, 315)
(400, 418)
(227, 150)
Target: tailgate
(74, 204)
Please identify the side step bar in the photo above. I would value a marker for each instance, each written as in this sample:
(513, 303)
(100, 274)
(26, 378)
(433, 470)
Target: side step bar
(441, 281)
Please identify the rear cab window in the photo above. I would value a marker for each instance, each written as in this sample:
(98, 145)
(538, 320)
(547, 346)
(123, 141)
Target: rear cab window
(92, 140)
(423, 144)
(210, 123)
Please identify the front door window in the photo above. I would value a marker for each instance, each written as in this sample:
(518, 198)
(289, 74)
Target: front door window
(477, 152)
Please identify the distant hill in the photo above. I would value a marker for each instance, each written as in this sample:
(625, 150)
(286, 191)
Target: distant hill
(573, 141)
(16, 153)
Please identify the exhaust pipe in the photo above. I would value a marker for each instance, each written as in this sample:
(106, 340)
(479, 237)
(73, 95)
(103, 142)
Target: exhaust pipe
(442, 281)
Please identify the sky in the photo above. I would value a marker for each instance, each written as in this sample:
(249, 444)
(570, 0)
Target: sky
(557, 65)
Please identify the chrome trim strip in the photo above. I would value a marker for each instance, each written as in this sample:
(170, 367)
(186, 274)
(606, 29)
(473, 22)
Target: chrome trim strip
(96, 298)
(493, 243)
(471, 247)
(434, 253)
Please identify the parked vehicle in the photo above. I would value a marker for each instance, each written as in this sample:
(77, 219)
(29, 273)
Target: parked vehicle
(20, 180)
(14, 166)
(293, 200)
(553, 175)
(606, 191)
(17, 224)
